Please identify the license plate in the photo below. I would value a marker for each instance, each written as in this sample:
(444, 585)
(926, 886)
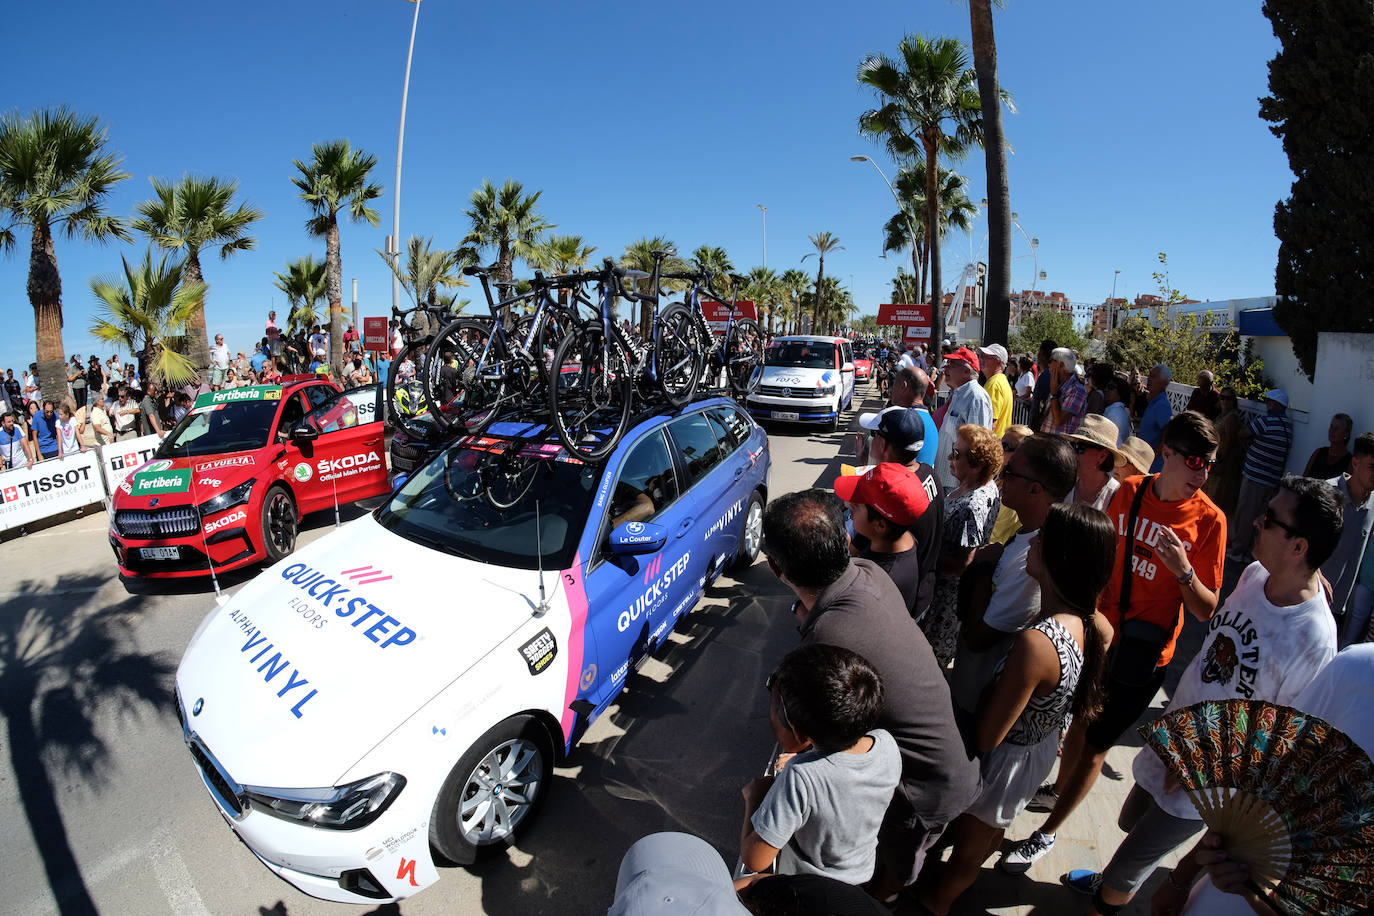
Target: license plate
(159, 553)
(784, 415)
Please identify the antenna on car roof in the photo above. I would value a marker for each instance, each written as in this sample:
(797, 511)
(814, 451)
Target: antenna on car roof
(543, 607)
(220, 597)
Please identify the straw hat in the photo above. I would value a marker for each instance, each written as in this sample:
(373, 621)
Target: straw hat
(1136, 452)
(1099, 431)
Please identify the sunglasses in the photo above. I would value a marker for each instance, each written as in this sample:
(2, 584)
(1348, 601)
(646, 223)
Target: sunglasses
(782, 707)
(1008, 447)
(1196, 462)
(1008, 472)
(1081, 447)
(1270, 520)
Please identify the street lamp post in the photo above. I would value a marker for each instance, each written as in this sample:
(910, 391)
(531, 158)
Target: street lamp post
(1111, 309)
(765, 233)
(936, 305)
(396, 191)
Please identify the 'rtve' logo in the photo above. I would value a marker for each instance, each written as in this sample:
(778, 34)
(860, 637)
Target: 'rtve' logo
(652, 569)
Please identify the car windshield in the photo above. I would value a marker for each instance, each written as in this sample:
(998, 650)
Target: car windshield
(221, 428)
(801, 354)
(482, 504)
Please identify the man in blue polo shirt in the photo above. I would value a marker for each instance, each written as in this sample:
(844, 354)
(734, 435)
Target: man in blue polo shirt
(1270, 435)
(1159, 412)
(45, 426)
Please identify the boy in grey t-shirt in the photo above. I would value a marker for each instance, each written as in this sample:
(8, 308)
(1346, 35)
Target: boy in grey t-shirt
(820, 814)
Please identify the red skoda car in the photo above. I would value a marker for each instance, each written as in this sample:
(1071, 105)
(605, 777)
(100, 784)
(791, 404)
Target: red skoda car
(229, 484)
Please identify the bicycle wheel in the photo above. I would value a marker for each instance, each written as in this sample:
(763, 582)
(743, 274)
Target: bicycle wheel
(744, 357)
(591, 395)
(465, 377)
(405, 398)
(678, 355)
(557, 324)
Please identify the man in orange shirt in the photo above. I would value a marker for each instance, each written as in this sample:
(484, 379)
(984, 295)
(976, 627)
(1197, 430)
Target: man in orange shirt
(1174, 538)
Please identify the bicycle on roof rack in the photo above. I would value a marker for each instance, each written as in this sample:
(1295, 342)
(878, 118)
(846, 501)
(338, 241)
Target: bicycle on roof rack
(597, 367)
(733, 360)
(479, 367)
(405, 396)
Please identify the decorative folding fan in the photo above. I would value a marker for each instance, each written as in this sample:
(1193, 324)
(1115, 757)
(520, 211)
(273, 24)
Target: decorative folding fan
(1292, 797)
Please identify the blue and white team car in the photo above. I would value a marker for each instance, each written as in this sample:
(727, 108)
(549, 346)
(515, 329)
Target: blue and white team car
(396, 694)
(806, 379)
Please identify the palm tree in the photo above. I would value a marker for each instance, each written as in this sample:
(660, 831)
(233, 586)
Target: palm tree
(904, 288)
(187, 216)
(562, 254)
(824, 243)
(714, 259)
(794, 283)
(955, 209)
(508, 220)
(930, 107)
(639, 256)
(335, 178)
(146, 311)
(767, 292)
(54, 177)
(997, 304)
(837, 307)
(305, 283)
(427, 270)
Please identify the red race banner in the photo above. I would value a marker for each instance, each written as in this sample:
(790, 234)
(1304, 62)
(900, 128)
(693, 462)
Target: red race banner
(374, 334)
(718, 313)
(916, 321)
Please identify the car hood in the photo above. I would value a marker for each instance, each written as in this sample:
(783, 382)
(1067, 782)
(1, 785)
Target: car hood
(187, 481)
(315, 661)
(798, 378)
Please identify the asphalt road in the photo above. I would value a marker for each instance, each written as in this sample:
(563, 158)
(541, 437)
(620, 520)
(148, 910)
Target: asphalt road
(104, 811)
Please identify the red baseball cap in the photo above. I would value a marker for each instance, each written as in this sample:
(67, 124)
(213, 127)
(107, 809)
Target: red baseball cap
(891, 489)
(964, 354)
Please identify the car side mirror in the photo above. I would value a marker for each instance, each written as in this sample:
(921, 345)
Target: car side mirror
(304, 433)
(633, 538)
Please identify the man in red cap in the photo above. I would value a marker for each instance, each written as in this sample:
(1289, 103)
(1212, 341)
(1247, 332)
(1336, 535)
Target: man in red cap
(884, 504)
(967, 404)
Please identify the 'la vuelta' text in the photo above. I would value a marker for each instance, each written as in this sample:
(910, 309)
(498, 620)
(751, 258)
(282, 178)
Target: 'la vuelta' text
(273, 663)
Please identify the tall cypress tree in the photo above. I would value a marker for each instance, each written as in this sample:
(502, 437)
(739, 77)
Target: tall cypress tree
(1321, 105)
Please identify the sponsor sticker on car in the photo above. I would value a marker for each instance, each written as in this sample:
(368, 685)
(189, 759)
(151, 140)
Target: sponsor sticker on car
(234, 395)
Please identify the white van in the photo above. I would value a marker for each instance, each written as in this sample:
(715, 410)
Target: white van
(806, 379)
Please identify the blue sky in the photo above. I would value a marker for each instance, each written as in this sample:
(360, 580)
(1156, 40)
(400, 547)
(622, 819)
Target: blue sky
(1136, 132)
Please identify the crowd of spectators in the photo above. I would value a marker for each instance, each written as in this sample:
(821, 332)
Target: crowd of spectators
(109, 401)
(997, 612)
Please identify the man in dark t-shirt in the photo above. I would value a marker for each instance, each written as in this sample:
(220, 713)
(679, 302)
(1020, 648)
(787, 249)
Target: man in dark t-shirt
(899, 438)
(851, 603)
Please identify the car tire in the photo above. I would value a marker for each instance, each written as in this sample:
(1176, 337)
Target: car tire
(517, 747)
(279, 524)
(835, 423)
(751, 535)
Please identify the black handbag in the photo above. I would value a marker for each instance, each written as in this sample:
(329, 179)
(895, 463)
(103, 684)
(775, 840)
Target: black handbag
(1140, 644)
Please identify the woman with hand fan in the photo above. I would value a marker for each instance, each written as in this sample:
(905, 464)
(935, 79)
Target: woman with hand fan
(1052, 668)
(1266, 642)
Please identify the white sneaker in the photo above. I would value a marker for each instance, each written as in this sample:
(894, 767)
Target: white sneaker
(1044, 799)
(1023, 855)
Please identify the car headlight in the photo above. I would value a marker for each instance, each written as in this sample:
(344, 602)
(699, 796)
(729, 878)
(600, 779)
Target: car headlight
(336, 808)
(825, 392)
(227, 500)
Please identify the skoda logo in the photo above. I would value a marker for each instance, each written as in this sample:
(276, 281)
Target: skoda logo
(152, 503)
(200, 704)
(634, 527)
(786, 392)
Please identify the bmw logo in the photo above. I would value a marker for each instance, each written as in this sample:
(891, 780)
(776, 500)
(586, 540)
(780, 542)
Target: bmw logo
(786, 392)
(200, 704)
(634, 527)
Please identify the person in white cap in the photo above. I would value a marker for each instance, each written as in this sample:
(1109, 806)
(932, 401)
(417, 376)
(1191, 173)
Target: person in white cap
(994, 360)
(1271, 436)
(674, 873)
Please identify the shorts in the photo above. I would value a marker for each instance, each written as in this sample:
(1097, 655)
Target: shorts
(904, 839)
(1122, 705)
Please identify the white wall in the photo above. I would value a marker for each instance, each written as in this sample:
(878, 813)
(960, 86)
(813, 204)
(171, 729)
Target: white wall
(1283, 368)
(1344, 384)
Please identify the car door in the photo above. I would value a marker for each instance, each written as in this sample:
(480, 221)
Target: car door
(707, 481)
(846, 352)
(623, 592)
(345, 459)
(723, 528)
